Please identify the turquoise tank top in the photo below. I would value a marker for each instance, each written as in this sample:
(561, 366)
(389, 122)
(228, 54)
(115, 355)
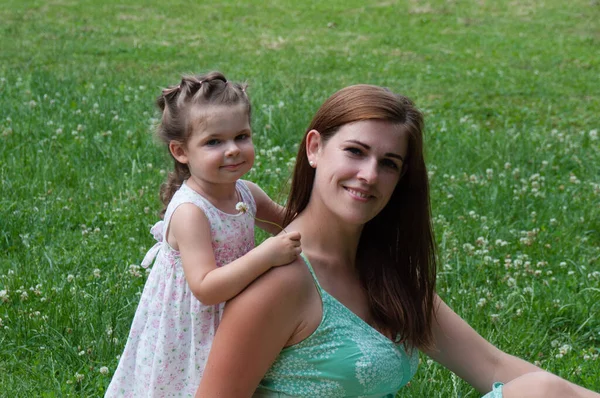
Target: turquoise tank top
(343, 357)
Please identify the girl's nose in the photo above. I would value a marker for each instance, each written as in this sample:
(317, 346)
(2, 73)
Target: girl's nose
(232, 150)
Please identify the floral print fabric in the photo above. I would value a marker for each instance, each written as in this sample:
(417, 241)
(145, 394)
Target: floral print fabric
(172, 331)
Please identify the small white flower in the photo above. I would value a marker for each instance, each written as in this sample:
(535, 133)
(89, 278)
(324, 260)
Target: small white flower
(241, 207)
(70, 278)
(79, 377)
(104, 370)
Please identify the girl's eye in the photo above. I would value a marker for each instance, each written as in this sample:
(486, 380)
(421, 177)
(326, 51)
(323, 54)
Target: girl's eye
(213, 142)
(354, 151)
(242, 137)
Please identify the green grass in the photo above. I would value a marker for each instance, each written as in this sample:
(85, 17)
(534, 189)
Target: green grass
(509, 87)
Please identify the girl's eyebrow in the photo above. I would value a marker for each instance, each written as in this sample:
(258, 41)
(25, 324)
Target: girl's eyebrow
(221, 134)
(367, 147)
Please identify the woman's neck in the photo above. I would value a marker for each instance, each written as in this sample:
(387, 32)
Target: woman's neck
(327, 237)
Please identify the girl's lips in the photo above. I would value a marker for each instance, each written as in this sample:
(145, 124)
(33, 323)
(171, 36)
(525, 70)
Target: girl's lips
(232, 166)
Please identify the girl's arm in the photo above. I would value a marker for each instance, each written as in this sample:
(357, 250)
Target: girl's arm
(266, 209)
(462, 350)
(256, 326)
(190, 233)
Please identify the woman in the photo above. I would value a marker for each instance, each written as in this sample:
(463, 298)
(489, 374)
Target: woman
(347, 318)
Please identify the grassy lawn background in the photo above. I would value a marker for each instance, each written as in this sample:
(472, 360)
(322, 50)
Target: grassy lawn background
(510, 93)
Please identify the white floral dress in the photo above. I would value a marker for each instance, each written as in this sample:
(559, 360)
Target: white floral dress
(172, 331)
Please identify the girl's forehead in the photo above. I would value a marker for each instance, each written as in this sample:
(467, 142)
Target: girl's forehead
(215, 118)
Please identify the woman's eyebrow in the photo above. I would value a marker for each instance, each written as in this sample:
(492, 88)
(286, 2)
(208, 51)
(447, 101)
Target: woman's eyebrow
(367, 147)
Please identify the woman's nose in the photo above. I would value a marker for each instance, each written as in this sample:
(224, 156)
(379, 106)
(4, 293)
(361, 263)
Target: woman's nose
(369, 171)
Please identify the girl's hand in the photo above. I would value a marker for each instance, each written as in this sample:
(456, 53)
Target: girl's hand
(281, 249)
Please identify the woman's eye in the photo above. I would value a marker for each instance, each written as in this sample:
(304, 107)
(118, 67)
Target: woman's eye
(354, 151)
(390, 163)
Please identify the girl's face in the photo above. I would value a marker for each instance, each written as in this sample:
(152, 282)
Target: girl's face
(220, 149)
(358, 168)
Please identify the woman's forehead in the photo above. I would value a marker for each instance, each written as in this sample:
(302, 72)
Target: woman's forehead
(380, 134)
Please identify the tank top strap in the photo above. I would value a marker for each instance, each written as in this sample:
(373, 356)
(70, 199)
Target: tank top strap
(312, 272)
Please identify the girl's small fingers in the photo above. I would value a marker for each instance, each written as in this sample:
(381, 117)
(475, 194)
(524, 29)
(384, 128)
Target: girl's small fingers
(295, 235)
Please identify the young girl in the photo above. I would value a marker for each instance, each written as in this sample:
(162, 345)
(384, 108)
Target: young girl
(206, 251)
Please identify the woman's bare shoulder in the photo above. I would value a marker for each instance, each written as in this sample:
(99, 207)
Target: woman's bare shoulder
(270, 314)
(283, 299)
(288, 284)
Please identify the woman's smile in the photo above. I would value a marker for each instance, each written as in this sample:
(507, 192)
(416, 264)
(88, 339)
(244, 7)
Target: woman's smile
(359, 194)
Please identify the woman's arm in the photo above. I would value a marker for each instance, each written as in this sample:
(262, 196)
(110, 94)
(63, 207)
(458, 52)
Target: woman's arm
(190, 234)
(256, 325)
(462, 350)
(266, 209)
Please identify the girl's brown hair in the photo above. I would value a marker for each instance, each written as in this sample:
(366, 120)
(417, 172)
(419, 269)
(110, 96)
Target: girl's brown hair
(177, 123)
(396, 252)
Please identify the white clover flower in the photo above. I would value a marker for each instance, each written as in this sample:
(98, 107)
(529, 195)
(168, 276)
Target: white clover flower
(593, 135)
(79, 377)
(97, 273)
(104, 370)
(564, 349)
(134, 270)
(4, 296)
(481, 241)
(70, 278)
(241, 207)
(468, 247)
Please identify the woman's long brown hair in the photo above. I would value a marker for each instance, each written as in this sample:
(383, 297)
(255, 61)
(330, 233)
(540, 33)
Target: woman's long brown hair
(396, 253)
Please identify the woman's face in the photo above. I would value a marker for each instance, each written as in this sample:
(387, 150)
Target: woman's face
(358, 168)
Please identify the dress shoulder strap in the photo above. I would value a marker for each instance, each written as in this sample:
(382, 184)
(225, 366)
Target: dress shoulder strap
(185, 194)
